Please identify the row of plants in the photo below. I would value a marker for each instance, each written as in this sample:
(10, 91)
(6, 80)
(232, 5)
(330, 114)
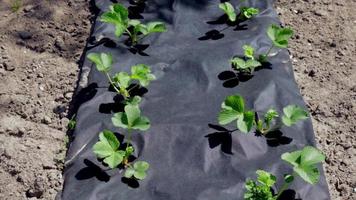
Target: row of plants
(233, 109)
(115, 154)
(109, 149)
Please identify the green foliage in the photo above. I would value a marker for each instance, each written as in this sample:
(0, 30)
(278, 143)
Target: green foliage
(279, 35)
(71, 124)
(233, 109)
(248, 12)
(131, 119)
(142, 73)
(108, 149)
(122, 80)
(103, 61)
(118, 15)
(16, 5)
(248, 64)
(138, 170)
(245, 12)
(229, 10)
(249, 51)
(293, 114)
(304, 163)
(245, 66)
(262, 189)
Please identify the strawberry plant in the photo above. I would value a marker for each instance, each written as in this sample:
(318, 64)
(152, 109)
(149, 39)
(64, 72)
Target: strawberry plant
(248, 64)
(121, 81)
(108, 147)
(233, 109)
(279, 37)
(304, 164)
(118, 15)
(244, 14)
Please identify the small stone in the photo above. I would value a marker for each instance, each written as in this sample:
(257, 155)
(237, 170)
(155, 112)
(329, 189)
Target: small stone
(68, 95)
(25, 35)
(46, 120)
(59, 43)
(9, 67)
(28, 8)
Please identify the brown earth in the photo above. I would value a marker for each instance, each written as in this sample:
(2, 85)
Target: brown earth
(41, 44)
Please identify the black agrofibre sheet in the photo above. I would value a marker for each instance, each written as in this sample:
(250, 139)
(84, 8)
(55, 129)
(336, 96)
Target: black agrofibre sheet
(190, 157)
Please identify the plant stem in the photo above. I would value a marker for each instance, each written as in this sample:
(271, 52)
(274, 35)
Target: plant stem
(284, 187)
(112, 83)
(128, 142)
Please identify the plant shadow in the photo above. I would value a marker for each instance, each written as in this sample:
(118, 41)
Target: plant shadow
(215, 34)
(118, 101)
(92, 170)
(222, 137)
(136, 8)
(276, 138)
(131, 182)
(288, 195)
(233, 78)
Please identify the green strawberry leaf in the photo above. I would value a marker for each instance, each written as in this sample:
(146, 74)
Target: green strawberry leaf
(234, 102)
(304, 162)
(142, 73)
(279, 35)
(266, 178)
(123, 79)
(246, 121)
(120, 120)
(131, 118)
(103, 61)
(156, 27)
(118, 16)
(107, 149)
(132, 112)
(249, 12)
(252, 64)
(249, 51)
(229, 10)
(270, 115)
(293, 114)
(238, 63)
(138, 170)
(227, 116)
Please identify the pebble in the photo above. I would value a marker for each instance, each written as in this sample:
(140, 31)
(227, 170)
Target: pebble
(9, 67)
(25, 35)
(68, 95)
(46, 120)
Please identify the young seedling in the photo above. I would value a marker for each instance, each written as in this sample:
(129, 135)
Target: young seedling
(108, 146)
(233, 109)
(248, 64)
(118, 15)
(279, 37)
(121, 81)
(304, 164)
(244, 14)
(72, 123)
(131, 119)
(16, 5)
(291, 115)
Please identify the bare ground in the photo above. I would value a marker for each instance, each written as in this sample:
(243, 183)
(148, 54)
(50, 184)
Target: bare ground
(41, 43)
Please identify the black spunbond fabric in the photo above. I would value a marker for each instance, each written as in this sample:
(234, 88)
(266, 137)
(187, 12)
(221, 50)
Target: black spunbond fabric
(191, 158)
